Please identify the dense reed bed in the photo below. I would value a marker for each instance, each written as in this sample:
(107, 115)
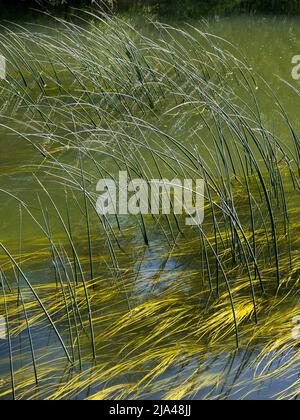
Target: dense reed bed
(136, 307)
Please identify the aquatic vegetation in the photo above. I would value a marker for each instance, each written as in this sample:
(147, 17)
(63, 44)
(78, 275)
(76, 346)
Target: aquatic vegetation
(136, 307)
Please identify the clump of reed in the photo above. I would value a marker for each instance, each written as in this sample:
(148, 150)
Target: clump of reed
(97, 97)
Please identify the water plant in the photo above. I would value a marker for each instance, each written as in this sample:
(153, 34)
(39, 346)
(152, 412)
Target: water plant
(140, 307)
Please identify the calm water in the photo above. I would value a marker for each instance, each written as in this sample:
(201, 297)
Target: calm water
(268, 45)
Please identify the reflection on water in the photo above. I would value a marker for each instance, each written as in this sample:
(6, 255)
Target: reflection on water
(2, 328)
(162, 324)
(165, 331)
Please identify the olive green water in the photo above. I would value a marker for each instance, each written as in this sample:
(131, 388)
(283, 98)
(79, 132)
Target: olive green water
(268, 44)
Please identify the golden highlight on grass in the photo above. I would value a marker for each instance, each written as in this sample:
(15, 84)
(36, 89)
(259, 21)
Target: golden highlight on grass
(120, 308)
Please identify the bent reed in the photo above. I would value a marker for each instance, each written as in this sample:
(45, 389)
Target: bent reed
(144, 306)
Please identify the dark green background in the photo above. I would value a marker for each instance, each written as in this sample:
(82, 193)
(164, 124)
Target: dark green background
(184, 8)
